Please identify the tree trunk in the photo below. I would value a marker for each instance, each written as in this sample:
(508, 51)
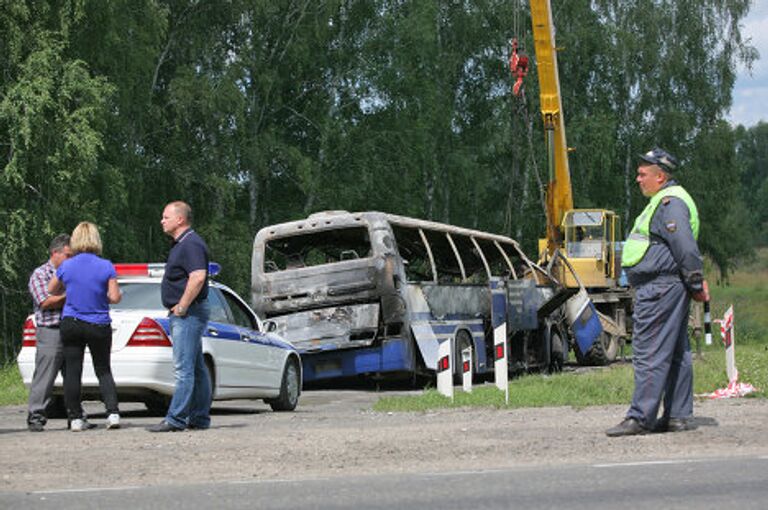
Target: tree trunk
(253, 200)
(627, 190)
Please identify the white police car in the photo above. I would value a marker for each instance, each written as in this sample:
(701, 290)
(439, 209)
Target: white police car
(243, 360)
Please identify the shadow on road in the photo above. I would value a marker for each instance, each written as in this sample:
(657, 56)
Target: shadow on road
(705, 421)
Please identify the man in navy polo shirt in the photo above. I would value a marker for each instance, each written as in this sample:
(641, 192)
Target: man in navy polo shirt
(184, 292)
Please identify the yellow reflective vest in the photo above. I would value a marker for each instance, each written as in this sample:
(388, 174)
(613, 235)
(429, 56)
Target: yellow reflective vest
(640, 237)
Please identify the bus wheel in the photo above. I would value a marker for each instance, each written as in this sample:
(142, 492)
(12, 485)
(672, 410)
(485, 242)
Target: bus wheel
(557, 351)
(602, 352)
(462, 341)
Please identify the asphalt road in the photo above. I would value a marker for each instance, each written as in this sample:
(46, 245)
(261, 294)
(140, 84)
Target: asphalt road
(681, 484)
(335, 452)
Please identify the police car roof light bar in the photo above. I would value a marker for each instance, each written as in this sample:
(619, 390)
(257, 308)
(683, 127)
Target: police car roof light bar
(155, 269)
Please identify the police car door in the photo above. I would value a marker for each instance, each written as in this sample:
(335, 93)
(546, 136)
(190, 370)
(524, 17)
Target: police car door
(231, 356)
(259, 358)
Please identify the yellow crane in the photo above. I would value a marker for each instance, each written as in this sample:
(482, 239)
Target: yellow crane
(588, 239)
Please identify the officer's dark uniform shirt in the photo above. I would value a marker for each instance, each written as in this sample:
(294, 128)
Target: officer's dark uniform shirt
(673, 250)
(189, 253)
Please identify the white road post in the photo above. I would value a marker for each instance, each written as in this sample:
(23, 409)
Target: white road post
(729, 338)
(707, 324)
(499, 322)
(445, 368)
(466, 369)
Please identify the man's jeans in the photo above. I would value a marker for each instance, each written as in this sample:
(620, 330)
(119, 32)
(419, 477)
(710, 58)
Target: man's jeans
(191, 402)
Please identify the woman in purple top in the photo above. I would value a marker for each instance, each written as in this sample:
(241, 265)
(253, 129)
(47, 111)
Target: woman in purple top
(91, 285)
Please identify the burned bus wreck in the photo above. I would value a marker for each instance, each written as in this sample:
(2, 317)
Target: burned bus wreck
(374, 293)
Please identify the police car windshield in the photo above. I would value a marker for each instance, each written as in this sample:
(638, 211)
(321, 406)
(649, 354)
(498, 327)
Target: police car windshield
(139, 296)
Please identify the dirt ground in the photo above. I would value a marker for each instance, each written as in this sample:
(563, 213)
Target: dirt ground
(333, 433)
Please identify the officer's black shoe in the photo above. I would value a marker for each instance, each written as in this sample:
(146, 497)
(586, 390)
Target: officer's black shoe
(35, 426)
(661, 426)
(629, 427)
(674, 425)
(680, 424)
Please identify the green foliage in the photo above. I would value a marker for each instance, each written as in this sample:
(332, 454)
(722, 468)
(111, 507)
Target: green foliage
(257, 112)
(747, 290)
(724, 233)
(752, 162)
(12, 390)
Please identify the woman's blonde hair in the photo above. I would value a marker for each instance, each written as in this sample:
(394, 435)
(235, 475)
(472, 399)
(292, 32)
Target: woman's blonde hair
(86, 239)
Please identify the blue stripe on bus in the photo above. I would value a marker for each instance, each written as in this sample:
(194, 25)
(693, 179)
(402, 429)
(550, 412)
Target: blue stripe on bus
(450, 328)
(427, 316)
(393, 355)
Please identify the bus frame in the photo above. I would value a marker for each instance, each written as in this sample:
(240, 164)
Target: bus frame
(384, 311)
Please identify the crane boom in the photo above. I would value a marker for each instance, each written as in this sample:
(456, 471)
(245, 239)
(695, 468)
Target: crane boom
(559, 194)
(585, 239)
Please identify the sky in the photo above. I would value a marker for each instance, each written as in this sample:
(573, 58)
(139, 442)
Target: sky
(750, 95)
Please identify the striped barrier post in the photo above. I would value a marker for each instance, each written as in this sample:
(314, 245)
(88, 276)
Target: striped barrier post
(499, 323)
(466, 369)
(728, 332)
(445, 368)
(707, 324)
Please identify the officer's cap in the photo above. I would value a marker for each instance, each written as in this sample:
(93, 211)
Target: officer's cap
(660, 157)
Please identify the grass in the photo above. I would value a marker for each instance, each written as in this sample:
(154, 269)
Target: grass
(604, 386)
(12, 390)
(747, 290)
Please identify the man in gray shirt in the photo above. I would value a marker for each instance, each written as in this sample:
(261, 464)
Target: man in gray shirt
(48, 357)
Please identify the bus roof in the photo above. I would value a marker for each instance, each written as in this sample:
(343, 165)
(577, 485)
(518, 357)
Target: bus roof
(329, 220)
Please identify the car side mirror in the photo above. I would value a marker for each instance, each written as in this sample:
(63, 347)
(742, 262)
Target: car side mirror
(270, 326)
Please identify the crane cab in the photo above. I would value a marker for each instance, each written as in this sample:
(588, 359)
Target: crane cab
(590, 245)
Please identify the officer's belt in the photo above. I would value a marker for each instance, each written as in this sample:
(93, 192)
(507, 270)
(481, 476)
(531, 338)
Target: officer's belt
(640, 280)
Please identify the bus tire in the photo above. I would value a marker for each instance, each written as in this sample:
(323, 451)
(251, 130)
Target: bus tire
(461, 342)
(557, 351)
(602, 352)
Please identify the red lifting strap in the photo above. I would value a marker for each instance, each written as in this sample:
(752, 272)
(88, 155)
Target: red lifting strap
(518, 64)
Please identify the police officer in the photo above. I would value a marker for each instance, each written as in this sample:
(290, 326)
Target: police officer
(664, 266)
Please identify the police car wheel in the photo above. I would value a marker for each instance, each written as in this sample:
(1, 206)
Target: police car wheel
(290, 388)
(211, 373)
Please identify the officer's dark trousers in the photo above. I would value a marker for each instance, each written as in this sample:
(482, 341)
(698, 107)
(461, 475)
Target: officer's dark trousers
(661, 353)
